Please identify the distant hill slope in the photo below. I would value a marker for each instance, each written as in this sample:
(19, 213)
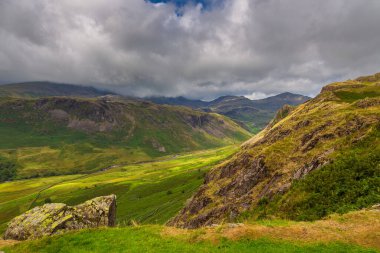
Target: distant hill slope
(48, 89)
(254, 114)
(318, 158)
(68, 135)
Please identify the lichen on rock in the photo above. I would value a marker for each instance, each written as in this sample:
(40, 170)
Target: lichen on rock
(57, 218)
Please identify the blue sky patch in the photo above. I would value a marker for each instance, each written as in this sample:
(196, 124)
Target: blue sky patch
(180, 3)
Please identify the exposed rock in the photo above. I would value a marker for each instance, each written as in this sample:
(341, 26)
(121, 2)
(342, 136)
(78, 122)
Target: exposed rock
(57, 218)
(234, 225)
(302, 124)
(368, 102)
(282, 113)
(59, 115)
(309, 136)
(371, 78)
(90, 126)
(298, 142)
(156, 145)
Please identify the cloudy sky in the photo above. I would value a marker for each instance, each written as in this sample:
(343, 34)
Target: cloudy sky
(200, 49)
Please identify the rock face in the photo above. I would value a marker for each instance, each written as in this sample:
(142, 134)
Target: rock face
(57, 218)
(299, 141)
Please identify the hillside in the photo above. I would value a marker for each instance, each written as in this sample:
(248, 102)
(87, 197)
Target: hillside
(319, 158)
(253, 114)
(65, 135)
(353, 232)
(49, 89)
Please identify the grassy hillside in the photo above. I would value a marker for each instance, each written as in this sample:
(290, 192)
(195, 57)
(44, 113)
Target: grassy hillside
(150, 192)
(45, 89)
(55, 136)
(336, 234)
(319, 158)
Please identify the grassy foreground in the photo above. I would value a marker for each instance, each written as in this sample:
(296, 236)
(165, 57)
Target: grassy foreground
(336, 234)
(149, 192)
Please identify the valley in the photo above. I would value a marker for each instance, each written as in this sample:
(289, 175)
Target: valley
(254, 115)
(194, 180)
(147, 192)
(195, 126)
(66, 135)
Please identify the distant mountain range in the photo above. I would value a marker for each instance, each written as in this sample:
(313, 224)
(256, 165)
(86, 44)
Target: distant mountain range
(49, 89)
(253, 114)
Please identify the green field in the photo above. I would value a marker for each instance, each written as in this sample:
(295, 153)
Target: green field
(151, 239)
(149, 192)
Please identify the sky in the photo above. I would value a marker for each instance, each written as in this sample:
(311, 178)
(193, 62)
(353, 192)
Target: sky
(198, 49)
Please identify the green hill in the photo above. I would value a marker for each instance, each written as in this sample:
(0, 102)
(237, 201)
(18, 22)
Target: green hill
(65, 135)
(318, 158)
(49, 89)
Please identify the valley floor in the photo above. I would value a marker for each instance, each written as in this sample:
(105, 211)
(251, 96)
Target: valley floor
(149, 192)
(353, 232)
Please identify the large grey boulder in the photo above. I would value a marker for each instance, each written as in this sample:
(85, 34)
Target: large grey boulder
(57, 218)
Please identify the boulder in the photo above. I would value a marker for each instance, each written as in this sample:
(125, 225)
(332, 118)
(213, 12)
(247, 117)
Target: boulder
(56, 218)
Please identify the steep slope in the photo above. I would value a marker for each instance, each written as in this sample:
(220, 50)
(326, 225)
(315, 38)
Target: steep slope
(319, 158)
(101, 131)
(48, 89)
(253, 114)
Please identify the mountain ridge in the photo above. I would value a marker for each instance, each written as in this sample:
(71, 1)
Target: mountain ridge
(330, 142)
(254, 114)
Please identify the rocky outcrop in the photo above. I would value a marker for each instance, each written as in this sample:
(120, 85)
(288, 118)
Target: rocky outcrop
(300, 140)
(57, 218)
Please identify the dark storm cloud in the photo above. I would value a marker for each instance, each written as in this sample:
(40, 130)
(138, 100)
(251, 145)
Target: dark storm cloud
(243, 47)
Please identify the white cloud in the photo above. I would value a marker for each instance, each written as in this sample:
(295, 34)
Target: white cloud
(241, 47)
(258, 95)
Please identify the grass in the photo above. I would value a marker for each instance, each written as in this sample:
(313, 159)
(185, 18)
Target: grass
(350, 96)
(70, 159)
(349, 183)
(45, 146)
(149, 192)
(352, 232)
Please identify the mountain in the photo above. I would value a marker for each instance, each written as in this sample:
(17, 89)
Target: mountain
(66, 135)
(49, 89)
(316, 159)
(252, 114)
(193, 103)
